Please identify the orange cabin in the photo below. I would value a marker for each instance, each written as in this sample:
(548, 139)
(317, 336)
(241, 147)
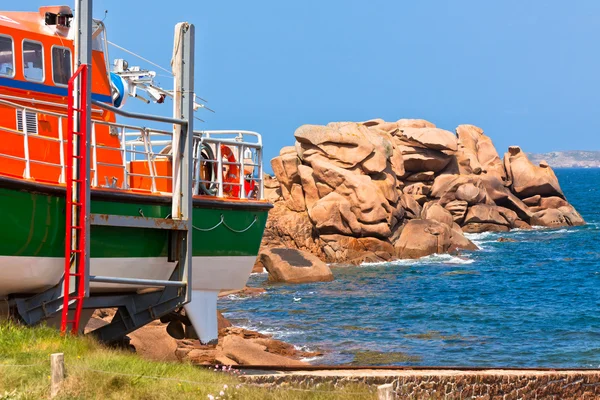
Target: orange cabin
(36, 62)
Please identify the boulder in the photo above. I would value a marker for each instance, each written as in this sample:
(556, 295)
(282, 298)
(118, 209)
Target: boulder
(285, 228)
(552, 202)
(571, 215)
(153, 342)
(458, 241)
(309, 186)
(414, 123)
(287, 150)
(420, 238)
(333, 214)
(553, 218)
(270, 182)
(506, 240)
(431, 138)
(386, 183)
(355, 251)
(397, 162)
(294, 197)
(472, 189)
(247, 352)
(418, 188)
(410, 205)
(294, 266)
(550, 218)
(477, 227)
(502, 196)
(285, 168)
(533, 200)
(368, 204)
(425, 176)
(458, 209)
(521, 225)
(528, 179)
(470, 193)
(508, 215)
(273, 194)
(434, 211)
(418, 159)
(246, 291)
(477, 154)
(345, 144)
(485, 213)
(377, 161)
(381, 125)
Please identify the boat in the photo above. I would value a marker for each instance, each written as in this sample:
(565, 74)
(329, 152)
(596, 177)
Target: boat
(123, 252)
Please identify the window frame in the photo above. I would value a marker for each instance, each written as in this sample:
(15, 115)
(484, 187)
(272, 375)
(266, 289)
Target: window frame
(13, 57)
(43, 61)
(52, 63)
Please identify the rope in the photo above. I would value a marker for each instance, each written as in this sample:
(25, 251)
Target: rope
(222, 221)
(210, 229)
(140, 57)
(243, 230)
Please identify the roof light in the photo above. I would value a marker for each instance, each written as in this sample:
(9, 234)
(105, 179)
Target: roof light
(58, 19)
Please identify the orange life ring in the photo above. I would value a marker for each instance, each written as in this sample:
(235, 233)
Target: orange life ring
(231, 173)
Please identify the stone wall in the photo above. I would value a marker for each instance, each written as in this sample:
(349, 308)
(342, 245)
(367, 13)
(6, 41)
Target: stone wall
(454, 384)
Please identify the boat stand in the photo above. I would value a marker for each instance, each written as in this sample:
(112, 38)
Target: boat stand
(72, 294)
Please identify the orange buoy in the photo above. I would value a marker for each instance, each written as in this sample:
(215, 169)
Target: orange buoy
(231, 173)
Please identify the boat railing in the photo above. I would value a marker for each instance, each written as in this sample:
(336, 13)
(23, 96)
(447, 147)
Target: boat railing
(226, 163)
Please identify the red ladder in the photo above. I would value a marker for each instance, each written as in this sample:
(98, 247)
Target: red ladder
(76, 207)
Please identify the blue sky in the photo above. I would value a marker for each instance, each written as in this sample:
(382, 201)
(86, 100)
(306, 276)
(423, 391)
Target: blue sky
(527, 72)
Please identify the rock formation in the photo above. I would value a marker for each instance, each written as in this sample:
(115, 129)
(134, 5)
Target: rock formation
(293, 266)
(351, 192)
(236, 346)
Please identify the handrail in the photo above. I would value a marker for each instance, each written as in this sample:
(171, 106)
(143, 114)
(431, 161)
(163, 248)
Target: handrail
(128, 114)
(139, 143)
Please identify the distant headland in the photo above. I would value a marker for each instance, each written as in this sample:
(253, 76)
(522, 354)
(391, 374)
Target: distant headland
(568, 159)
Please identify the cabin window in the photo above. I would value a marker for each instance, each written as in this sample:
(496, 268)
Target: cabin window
(7, 57)
(33, 61)
(61, 65)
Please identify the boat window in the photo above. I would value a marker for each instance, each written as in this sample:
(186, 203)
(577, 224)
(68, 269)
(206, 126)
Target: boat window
(7, 57)
(33, 61)
(61, 65)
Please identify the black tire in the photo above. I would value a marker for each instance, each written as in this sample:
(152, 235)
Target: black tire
(206, 153)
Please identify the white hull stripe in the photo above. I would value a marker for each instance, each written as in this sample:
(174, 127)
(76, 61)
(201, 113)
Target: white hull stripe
(34, 274)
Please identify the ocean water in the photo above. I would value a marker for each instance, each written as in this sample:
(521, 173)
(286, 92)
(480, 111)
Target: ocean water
(534, 302)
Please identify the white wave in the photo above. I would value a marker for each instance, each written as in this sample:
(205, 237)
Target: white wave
(310, 359)
(237, 297)
(427, 260)
(477, 237)
(260, 273)
(276, 333)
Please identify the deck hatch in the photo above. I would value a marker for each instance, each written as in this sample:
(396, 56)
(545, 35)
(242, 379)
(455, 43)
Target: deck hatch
(31, 121)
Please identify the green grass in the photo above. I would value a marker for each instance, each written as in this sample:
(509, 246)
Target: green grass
(25, 373)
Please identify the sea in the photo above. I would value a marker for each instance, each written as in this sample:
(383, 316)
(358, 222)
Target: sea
(534, 302)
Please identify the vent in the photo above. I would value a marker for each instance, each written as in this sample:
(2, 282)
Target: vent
(31, 121)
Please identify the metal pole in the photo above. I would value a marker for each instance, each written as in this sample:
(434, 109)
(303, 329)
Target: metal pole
(83, 53)
(183, 138)
(187, 166)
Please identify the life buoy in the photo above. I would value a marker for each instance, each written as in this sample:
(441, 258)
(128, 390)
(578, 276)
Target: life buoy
(231, 173)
